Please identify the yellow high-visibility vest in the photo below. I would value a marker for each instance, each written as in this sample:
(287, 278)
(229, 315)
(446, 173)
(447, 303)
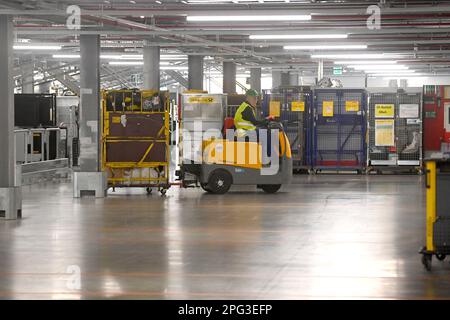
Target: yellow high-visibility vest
(240, 123)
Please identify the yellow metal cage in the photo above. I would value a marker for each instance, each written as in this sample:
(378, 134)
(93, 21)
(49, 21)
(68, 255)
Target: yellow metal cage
(136, 138)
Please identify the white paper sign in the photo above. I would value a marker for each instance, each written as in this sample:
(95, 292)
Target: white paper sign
(409, 111)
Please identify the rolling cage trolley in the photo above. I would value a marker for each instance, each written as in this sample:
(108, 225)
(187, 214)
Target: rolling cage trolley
(436, 124)
(339, 131)
(395, 132)
(437, 210)
(292, 105)
(136, 139)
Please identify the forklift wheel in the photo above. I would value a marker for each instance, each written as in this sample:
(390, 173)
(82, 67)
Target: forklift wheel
(271, 188)
(205, 187)
(440, 256)
(426, 261)
(220, 182)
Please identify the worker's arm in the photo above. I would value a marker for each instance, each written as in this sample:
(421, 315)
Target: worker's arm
(248, 115)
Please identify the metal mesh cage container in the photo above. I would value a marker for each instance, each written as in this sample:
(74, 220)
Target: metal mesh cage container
(293, 106)
(395, 130)
(339, 132)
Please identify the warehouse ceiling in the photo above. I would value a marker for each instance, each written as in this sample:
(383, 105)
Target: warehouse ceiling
(413, 34)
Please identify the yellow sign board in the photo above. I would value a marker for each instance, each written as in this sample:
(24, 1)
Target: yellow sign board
(384, 133)
(298, 106)
(352, 106)
(205, 100)
(274, 108)
(384, 110)
(328, 108)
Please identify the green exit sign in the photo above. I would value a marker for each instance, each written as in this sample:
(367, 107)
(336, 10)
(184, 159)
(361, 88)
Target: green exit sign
(337, 71)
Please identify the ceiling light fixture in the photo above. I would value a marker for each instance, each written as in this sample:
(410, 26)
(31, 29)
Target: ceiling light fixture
(361, 62)
(390, 71)
(66, 56)
(249, 18)
(297, 36)
(327, 47)
(348, 56)
(378, 67)
(35, 47)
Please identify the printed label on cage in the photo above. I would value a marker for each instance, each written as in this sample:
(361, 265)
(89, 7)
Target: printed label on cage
(274, 108)
(413, 121)
(205, 100)
(384, 133)
(409, 111)
(116, 120)
(384, 110)
(352, 106)
(298, 106)
(328, 109)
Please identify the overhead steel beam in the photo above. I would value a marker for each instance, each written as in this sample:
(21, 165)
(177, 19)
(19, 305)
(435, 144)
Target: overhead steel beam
(316, 11)
(233, 31)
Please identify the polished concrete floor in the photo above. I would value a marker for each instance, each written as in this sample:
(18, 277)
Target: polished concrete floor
(324, 237)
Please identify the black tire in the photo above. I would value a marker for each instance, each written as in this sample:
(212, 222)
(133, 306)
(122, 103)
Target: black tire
(219, 182)
(205, 187)
(270, 188)
(426, 261)
(149, 190)
(440, 256)
(163, 192)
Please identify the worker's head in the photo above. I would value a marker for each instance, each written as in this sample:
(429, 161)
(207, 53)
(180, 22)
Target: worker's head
(252, 97)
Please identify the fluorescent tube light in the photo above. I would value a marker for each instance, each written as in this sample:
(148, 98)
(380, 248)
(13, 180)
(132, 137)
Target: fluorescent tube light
(249, 18)
(326, 47)
(348, 56)
(297, 36)
(364, 62)
(35, 47)
(390, 71)
(378, 67)
(66, 56)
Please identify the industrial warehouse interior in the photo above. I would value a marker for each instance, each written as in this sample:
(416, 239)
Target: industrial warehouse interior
(224, 150)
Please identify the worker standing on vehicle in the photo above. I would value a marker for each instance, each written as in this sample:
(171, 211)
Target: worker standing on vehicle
(245, 118)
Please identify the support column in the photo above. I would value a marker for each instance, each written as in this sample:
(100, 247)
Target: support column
(229, 77)
(195, 65)
(28, 78)
(151, 67)
(10, 191)
(255, 79)
(90, 180)
(276, 79)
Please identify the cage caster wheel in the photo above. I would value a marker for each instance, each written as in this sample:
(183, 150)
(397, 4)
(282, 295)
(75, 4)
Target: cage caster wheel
(426, 261)
(149, 190)
(163, 192)
(440, 257)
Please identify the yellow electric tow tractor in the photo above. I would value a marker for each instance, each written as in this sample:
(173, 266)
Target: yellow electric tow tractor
(239, 162)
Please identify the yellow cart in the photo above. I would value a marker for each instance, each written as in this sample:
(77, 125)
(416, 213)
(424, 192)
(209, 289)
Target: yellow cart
(136, 138)
(437, 211)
